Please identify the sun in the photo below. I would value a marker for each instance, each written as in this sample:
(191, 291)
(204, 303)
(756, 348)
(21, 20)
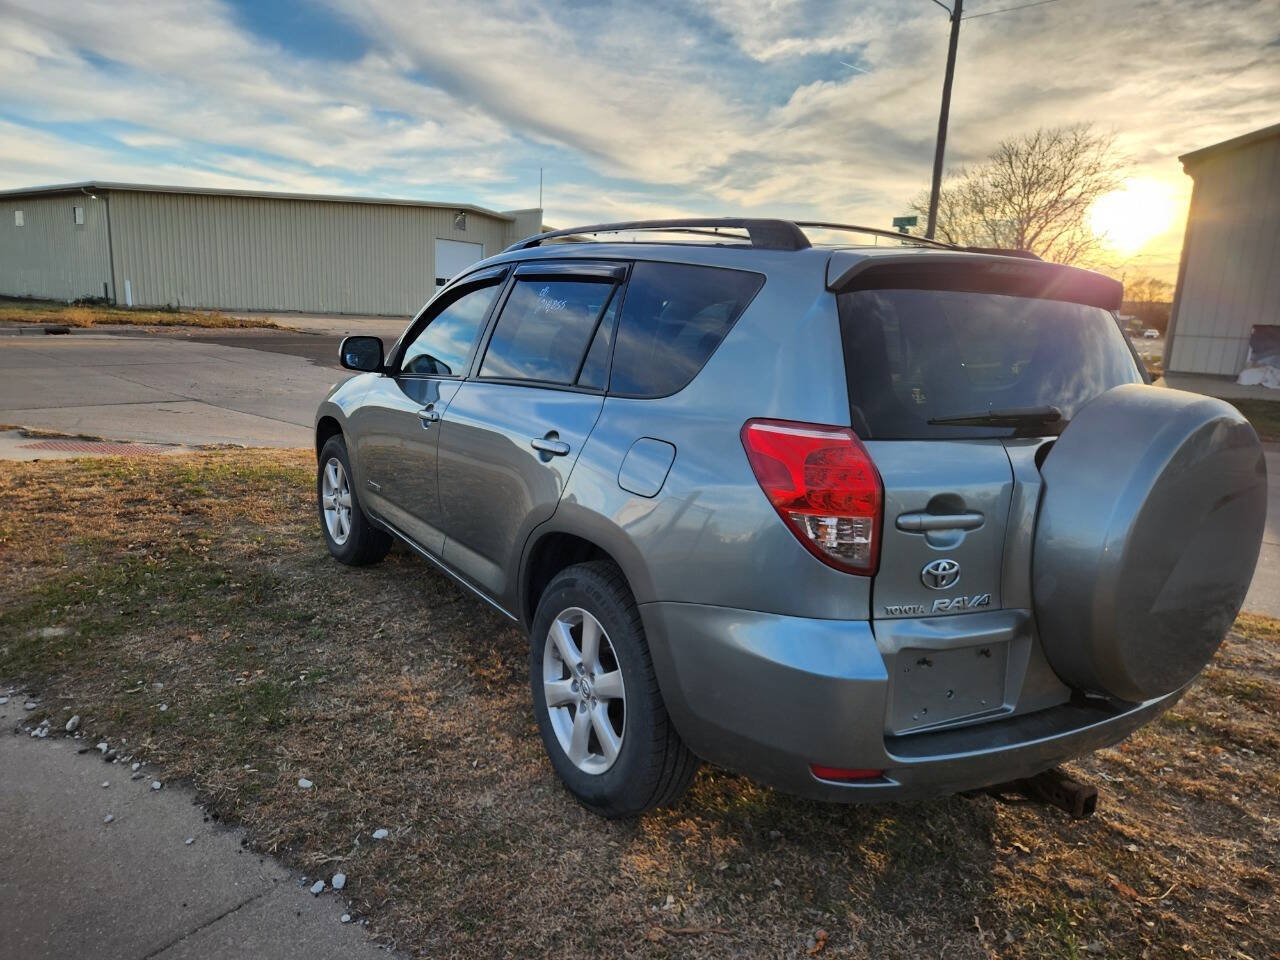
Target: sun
(1127, 218)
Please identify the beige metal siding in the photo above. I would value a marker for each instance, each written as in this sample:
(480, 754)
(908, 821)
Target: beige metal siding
(51, 256)
(1230, 279)
(257, 253)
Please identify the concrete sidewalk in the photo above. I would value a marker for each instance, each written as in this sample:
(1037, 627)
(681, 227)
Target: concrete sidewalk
(134, 889)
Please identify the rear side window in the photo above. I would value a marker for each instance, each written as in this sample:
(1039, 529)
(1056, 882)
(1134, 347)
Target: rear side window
(673, 318)
(595, 368)
(916, 355)
(544, 329)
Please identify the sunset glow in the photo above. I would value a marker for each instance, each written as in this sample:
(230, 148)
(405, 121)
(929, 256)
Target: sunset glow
(1127, 218)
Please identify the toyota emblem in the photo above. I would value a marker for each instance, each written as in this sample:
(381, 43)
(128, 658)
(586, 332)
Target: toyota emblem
(940, 574)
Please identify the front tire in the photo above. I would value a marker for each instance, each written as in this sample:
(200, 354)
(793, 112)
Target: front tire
(349, 535)
(596, 698)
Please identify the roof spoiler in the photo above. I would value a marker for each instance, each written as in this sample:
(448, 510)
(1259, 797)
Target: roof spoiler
(848, 271)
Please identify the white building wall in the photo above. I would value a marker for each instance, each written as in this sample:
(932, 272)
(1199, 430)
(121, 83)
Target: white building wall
(259, 253)
(1229, 279)
(51, 256)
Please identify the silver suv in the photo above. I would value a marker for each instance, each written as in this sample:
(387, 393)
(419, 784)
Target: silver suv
(862, 522)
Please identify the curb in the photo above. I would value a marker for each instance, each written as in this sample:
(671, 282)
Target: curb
(35, 331)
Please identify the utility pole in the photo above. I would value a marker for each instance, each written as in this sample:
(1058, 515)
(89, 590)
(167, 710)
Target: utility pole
(941, 148)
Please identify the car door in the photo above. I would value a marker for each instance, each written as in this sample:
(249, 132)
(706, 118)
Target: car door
(397, 425)
(512, 433)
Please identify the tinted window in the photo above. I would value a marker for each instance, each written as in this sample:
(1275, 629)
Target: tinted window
(445, 343)
(595, 369)
(673, 318)
(543, 331)
(914, 355)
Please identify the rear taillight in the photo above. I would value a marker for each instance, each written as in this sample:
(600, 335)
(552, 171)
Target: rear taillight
(823, 484)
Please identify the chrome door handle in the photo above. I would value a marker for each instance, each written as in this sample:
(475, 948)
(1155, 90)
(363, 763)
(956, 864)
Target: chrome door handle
(549, 445)
(428, 415)
(923, 522)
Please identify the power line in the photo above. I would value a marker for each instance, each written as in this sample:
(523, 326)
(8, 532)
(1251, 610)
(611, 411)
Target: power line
(992, 13)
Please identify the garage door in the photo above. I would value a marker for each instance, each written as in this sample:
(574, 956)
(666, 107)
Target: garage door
(454, 256)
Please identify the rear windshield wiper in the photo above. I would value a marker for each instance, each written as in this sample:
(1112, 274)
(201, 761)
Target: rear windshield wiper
(1013, 417)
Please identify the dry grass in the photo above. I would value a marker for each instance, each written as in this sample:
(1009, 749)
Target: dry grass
(92, 315)
(406, 702)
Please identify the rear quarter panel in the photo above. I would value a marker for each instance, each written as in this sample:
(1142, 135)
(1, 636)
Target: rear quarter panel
(710, 536)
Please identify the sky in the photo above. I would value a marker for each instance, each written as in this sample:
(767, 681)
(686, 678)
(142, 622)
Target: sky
(794, 108)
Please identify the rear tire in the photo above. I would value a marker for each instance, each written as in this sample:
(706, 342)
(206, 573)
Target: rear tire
(615, 694)
(349, 535)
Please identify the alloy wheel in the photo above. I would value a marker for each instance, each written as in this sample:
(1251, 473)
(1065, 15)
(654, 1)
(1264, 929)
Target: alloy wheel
(335, 498)
(586, 698)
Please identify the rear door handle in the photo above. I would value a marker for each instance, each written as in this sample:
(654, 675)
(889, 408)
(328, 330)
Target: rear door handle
(428, 415)
(550, 445)
(923, 522)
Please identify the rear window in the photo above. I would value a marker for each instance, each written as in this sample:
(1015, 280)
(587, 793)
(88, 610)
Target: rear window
(673, 318)
(916, 355)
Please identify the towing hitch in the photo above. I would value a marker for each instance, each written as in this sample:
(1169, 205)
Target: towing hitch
(1053, 787)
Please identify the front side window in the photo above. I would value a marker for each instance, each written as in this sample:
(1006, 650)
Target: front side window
(544, 329)
(674, 317)
(444, 345)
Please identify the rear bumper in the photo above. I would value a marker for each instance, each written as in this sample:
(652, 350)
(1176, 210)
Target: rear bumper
(767, 695)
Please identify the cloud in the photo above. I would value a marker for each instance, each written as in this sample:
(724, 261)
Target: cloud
(632, 107)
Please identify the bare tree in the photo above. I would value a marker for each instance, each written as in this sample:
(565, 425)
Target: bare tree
(1147, 298)
(1033, 193)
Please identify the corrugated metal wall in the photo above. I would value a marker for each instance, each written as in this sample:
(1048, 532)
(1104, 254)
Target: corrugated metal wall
(1231, 273)
(252, 253)
(50, 255)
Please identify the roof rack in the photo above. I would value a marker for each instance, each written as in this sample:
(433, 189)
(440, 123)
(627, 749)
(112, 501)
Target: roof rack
(876, 232)
(926, 241)
(763, 234)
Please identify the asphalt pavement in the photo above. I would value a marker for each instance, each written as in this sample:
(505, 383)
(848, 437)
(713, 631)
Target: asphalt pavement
(247, 387)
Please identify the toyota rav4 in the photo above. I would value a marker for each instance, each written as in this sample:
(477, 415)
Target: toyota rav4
(862, 522)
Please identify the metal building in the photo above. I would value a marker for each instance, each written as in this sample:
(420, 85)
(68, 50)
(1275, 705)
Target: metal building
(1229, 276)
(143, 245)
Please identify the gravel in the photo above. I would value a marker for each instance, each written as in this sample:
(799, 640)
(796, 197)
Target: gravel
(304, 783)
(30, 705)
(317, 888)
(73, 724)
(108, 818)
(339, 881)
(156, 784)
(346, 918)
(380, 834)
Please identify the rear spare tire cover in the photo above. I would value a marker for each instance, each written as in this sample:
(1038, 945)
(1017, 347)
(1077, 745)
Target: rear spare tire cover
(1148, 532)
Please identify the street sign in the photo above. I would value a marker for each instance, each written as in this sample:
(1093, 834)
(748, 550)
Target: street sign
(901, 223)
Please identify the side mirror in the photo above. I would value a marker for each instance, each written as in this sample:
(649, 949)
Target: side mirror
(361, 353)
